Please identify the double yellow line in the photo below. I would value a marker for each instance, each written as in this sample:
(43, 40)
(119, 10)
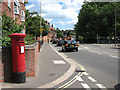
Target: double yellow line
(74, 79)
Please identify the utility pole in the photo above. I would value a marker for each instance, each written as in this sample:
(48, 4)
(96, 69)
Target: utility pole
(115, 23)
(40, 20)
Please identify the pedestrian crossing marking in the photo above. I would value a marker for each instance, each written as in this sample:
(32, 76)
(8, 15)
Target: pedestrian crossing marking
(92, 79)
(85, 73)
(85, 86)
(79, 78)
(58, 62)
(100, 86)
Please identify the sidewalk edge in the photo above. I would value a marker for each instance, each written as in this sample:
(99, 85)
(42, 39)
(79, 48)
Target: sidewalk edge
(65, 76)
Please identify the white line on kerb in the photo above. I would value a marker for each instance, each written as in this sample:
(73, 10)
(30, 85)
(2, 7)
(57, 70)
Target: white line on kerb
(85, 86)
(92, 79)
(100, 86)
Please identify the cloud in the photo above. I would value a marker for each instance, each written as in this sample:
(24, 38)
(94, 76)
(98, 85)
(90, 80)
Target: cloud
(60, 12)
(61, 22)
(49, 20)
(30, 6)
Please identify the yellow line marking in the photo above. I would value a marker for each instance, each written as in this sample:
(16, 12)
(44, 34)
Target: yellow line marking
(82, 68)
(73, 81)
(69, 81)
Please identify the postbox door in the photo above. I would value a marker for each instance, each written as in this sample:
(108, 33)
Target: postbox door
(21, 60)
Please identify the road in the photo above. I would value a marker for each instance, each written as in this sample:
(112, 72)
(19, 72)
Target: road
(101, 63)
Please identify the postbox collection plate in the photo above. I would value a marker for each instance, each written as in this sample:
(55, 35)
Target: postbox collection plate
(22, 49)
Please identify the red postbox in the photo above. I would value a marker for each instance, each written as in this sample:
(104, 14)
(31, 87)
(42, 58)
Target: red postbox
(18, 57)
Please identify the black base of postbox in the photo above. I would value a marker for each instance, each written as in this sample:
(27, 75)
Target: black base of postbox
(19, 77)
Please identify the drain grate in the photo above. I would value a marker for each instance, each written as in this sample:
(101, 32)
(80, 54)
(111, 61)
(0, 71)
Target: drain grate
(52, 74)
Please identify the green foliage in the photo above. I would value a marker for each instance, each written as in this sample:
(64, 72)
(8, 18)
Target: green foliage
(29, 39)
(59, 33)
(33, 24)
(98, 18)
(9, 26)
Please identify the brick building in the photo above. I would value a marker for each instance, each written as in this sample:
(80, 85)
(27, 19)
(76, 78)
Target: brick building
(14, 9)
(52, 33)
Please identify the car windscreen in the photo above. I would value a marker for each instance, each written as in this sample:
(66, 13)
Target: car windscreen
(71, 42)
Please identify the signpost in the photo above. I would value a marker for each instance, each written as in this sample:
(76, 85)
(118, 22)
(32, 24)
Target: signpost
(41, 29)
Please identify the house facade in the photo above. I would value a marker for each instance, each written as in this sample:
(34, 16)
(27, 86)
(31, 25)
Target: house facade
(14, 9)
(52, 33)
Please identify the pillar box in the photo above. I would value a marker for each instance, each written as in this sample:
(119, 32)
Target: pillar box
(18, 57)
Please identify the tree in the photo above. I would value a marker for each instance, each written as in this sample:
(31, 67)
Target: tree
(97, 18)
(33, 24)
(59, 33)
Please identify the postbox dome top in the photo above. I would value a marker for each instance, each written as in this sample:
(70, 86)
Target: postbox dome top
(17, 35)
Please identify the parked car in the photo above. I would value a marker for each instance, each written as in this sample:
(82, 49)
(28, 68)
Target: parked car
(54, 41)
(60, 42)
(70, 45)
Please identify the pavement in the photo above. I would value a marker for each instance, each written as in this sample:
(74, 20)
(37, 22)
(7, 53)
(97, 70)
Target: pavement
(52, 69)
(108, 45)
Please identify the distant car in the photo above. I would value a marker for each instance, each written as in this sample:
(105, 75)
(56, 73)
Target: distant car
(54, 41)
(70, 45)
(60, 42)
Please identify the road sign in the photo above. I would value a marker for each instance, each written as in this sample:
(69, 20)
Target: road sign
(41, 29)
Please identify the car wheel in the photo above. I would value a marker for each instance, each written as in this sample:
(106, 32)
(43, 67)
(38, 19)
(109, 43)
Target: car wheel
(62, 49)
(77, 50)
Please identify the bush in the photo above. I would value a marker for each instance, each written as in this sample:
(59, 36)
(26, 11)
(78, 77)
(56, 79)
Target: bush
(9, 26)
(29, 39)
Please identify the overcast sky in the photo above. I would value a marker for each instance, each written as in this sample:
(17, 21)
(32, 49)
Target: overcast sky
(61, 13)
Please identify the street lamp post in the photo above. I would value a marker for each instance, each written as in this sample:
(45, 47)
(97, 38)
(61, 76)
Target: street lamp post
(40, 20)
(115, 23)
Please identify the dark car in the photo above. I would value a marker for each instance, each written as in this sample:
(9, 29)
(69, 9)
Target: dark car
(54, 41)
(70, 45)
(60, 42)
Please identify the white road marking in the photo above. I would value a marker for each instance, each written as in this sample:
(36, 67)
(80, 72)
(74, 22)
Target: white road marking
(58, 61)
(86, 47)
(85, 86)
(85, 73)
(114, 56)
(92, 79)
(99, 53)
(80, 48)
(92, 51)
(100, 86)
(79, 78)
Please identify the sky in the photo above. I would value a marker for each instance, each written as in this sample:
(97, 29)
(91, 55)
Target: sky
(61, 13)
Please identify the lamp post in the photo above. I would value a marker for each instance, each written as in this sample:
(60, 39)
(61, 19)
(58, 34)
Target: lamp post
(115, 23)
(40, 20)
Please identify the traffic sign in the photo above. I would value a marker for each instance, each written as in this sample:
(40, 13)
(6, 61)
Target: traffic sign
(41, 29)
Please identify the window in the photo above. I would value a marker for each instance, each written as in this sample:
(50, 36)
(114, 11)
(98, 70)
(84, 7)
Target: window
(22, 1)
(16, 7)
(9, 4)
(22, 15)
